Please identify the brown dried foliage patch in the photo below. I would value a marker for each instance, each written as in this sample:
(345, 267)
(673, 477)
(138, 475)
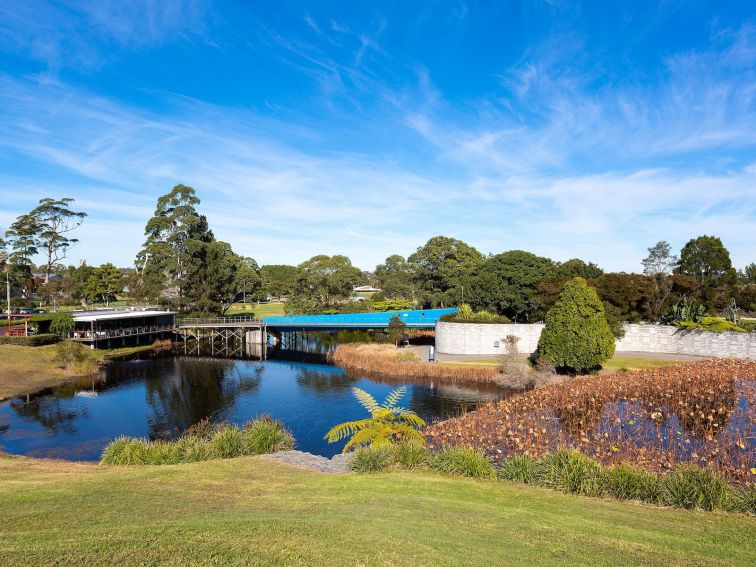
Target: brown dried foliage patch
(386, 360)
(702, 413)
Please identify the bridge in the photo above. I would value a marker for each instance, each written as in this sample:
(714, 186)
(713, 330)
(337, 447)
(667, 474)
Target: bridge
(230, 336)
(414, 319)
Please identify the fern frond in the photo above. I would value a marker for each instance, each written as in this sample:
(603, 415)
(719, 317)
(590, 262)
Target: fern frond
(366, 400)
(411, 418)
(375, 435)
(343, 430)
(394, 396)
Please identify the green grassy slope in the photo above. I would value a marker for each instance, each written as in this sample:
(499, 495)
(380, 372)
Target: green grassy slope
(253, 511)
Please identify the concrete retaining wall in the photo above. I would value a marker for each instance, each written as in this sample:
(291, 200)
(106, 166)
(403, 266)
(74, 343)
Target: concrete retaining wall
(477, 339)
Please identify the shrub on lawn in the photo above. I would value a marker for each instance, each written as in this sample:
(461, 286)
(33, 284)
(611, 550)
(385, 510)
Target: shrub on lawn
(629, 483)
(463, 461)
(62, 324)
(690, 486)
(520, 468)
(73, 356)
(411, 455)
(202, 442)
(266, 435)
(31, 340)
(744, 500)
(375, 458)
(572, 472)
(577, 336)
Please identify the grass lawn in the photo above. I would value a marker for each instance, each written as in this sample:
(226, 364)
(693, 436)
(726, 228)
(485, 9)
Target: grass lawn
(24, 370)
(253, 511)
(615, 363)
(633, 363)
(262, 310)
(481, 362)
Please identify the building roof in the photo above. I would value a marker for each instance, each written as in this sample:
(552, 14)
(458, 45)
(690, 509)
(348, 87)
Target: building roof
(89, 316)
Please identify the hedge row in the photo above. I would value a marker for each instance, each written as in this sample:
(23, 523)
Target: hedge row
(686, 486)
(31, 340)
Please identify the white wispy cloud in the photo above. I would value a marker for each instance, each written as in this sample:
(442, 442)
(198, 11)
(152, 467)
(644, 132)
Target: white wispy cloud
(558, 160)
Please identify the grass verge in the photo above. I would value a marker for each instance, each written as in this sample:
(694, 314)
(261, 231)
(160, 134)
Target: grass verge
(254, 511)
(24, 370)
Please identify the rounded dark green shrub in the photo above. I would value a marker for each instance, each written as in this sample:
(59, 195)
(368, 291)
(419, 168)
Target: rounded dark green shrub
(691, 486)
(463, 461)
(520, 468)
(571, 471)
(577, 336)
(375, 458)
(62, 324)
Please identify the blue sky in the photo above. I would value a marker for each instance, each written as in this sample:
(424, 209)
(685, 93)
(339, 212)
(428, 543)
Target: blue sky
(570, 129)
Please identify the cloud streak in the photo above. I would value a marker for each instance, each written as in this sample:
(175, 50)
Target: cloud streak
(558, 158)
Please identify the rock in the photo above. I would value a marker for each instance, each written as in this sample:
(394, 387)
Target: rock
(339, 464)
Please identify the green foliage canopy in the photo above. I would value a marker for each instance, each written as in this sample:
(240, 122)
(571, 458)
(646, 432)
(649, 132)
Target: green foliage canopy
(388, 423)
(441, 267)
(705, 258)
(505, 283)
(577, 336)
(396, 277)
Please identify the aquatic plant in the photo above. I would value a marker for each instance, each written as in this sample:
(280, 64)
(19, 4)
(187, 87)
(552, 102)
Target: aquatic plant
(385, 360)
(699, 413)
(388, 423)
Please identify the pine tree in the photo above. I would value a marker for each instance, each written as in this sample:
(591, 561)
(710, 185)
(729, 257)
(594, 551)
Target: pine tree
(577, 336)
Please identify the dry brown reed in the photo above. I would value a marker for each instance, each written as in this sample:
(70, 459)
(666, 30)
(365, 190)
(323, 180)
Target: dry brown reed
(702, 413)
(387, 360)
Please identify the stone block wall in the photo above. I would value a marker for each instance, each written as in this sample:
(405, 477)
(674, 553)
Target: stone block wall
(479, 339)
(474, 338)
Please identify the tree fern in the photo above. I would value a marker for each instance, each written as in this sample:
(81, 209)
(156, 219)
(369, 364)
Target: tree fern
(394, 396)
(368, 402)
(387, 422)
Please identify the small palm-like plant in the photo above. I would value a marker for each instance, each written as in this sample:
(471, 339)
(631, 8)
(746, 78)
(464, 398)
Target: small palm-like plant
(387, 423)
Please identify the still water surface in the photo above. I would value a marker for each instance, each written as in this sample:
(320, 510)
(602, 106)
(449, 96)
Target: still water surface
(161, 398)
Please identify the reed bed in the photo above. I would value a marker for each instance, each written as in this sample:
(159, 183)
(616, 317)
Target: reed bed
(701, 413)
(201, 442)
(386, 360)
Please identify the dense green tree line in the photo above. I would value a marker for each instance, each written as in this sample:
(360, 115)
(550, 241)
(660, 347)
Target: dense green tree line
(183, 265)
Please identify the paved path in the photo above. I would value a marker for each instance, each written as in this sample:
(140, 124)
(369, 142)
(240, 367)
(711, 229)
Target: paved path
(339, 464)
(422, 352)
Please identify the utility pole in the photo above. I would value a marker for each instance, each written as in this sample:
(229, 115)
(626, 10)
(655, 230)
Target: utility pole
(4, 260)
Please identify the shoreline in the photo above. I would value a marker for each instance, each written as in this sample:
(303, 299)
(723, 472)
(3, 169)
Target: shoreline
(46, 374)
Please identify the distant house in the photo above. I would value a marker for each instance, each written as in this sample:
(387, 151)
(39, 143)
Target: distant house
(40, 277)
(365, 289)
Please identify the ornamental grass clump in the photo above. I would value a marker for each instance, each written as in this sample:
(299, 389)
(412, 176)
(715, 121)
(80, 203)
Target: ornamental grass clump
(411, 455)
(372, 459)
(689, 486)
(202, 442)
(463, 461)
(520, 468)
(626, 482)
(571, 472)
